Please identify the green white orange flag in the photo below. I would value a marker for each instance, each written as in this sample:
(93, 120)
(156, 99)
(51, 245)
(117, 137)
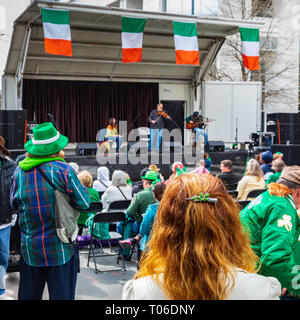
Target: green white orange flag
(186, 43)
(250, 47)
(57, 32)
(132, 39)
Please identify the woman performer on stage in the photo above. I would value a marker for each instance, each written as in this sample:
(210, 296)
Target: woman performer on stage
(112, 132)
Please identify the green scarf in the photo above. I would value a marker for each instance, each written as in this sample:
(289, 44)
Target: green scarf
(30, 163)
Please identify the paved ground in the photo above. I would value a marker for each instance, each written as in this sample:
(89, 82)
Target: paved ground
(90, 286)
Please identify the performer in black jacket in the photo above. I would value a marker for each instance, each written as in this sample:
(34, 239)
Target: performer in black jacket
(7, 168)
(156, 126)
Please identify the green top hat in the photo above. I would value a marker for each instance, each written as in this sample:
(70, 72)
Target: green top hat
(46, 140)
(150, 175)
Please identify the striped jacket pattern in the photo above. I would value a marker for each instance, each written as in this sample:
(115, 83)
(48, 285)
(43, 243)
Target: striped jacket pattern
(34, 199)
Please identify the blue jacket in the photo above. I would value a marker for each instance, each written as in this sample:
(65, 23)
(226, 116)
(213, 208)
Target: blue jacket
(147, 223)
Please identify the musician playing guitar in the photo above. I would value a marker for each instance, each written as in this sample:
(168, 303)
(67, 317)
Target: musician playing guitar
(198, 125)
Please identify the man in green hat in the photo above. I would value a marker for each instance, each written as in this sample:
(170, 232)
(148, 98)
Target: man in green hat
(138, 207)
(45, 258)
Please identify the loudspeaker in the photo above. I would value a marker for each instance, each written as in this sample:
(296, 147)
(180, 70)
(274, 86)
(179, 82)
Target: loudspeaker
(291, 153)
(289, 124)
(214, 146)
(12, 128)
(86, 149)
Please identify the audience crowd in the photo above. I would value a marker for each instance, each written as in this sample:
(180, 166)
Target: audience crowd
(193, 239)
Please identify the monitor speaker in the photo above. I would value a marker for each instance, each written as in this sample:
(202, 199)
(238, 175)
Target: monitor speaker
(12, 128)
(86, 149)
(214, 146)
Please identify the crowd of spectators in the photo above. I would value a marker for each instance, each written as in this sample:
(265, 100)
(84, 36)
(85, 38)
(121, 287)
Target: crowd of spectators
(193, 240)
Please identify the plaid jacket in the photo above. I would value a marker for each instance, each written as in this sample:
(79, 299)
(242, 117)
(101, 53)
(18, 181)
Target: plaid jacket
(34, 199)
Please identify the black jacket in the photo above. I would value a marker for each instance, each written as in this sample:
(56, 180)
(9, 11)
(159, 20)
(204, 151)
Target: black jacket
(7, 170)
(154, 116)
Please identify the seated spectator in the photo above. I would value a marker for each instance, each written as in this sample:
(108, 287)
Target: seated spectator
(119, 190)
(75, 166)
(272, 222)
(147, 222)
(201, 168)
(198, 248)
(278, 155)
(277, 167)
(87, 180)
(266, 159)
(102, 182)
(139, 185)
(137, 208)
(208, 162)
(227, 176)
(253, 180)
(160, 177)
(177, 168)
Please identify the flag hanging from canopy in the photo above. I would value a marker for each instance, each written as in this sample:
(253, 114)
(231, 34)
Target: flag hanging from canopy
(250, 47)
(132, 39)
(57, 32)
(186, 43)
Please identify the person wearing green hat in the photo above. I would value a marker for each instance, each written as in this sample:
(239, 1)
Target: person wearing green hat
(138, 207)
(45, 258)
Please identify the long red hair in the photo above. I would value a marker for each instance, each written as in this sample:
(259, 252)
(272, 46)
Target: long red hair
(197, 246)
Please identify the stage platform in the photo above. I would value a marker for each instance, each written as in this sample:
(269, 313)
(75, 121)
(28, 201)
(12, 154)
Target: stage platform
(133, 164)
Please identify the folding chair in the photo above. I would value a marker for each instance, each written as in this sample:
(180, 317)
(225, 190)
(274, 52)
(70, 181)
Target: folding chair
(107, 217)
(94, 206)
(119, 205)
(255, 193)
(243, 203)
(233, 193)
(230, 187)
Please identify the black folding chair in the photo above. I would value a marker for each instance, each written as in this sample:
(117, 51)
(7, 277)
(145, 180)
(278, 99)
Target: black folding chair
(243, 203)
(231, 186)
(94, 206)
(233, 193)
(119, 205)
(106, 217)
(255, 193)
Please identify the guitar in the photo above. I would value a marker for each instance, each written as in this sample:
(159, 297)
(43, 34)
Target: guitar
(196, 124)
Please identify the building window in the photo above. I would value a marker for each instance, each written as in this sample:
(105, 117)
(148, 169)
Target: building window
(178, 6)
(262, 8)
(192, 7)
(268, 44)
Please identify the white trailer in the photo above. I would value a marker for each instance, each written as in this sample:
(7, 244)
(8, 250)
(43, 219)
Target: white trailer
(236, 109)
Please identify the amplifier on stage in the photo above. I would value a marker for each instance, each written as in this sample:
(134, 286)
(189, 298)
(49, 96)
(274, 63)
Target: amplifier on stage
(214, 146)
(86, 149)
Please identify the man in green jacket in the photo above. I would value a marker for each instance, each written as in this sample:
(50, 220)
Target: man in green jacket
(142, 199)
(274, 226)
(138, 207)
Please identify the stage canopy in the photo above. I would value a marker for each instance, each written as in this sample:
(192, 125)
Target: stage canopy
(97, 50)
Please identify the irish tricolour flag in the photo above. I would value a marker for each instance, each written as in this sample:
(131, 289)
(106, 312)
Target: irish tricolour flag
(132, 39)
(250, 47)
(57, 32)
(186, 43)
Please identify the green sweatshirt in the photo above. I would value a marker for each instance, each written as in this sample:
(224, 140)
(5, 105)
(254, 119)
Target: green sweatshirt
(140, 203)
(274, 227)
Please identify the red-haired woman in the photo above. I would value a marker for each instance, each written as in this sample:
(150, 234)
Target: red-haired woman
(199, 249)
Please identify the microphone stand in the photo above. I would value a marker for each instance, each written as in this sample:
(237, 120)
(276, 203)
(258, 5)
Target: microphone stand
(53, 122)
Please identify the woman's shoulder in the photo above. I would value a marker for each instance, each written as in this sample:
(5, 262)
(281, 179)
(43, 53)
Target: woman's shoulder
(145, 288)
(247, 284)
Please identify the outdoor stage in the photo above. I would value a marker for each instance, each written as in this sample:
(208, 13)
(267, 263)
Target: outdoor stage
(164, 161)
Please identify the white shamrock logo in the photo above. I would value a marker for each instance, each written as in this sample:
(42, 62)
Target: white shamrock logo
(285, 222)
